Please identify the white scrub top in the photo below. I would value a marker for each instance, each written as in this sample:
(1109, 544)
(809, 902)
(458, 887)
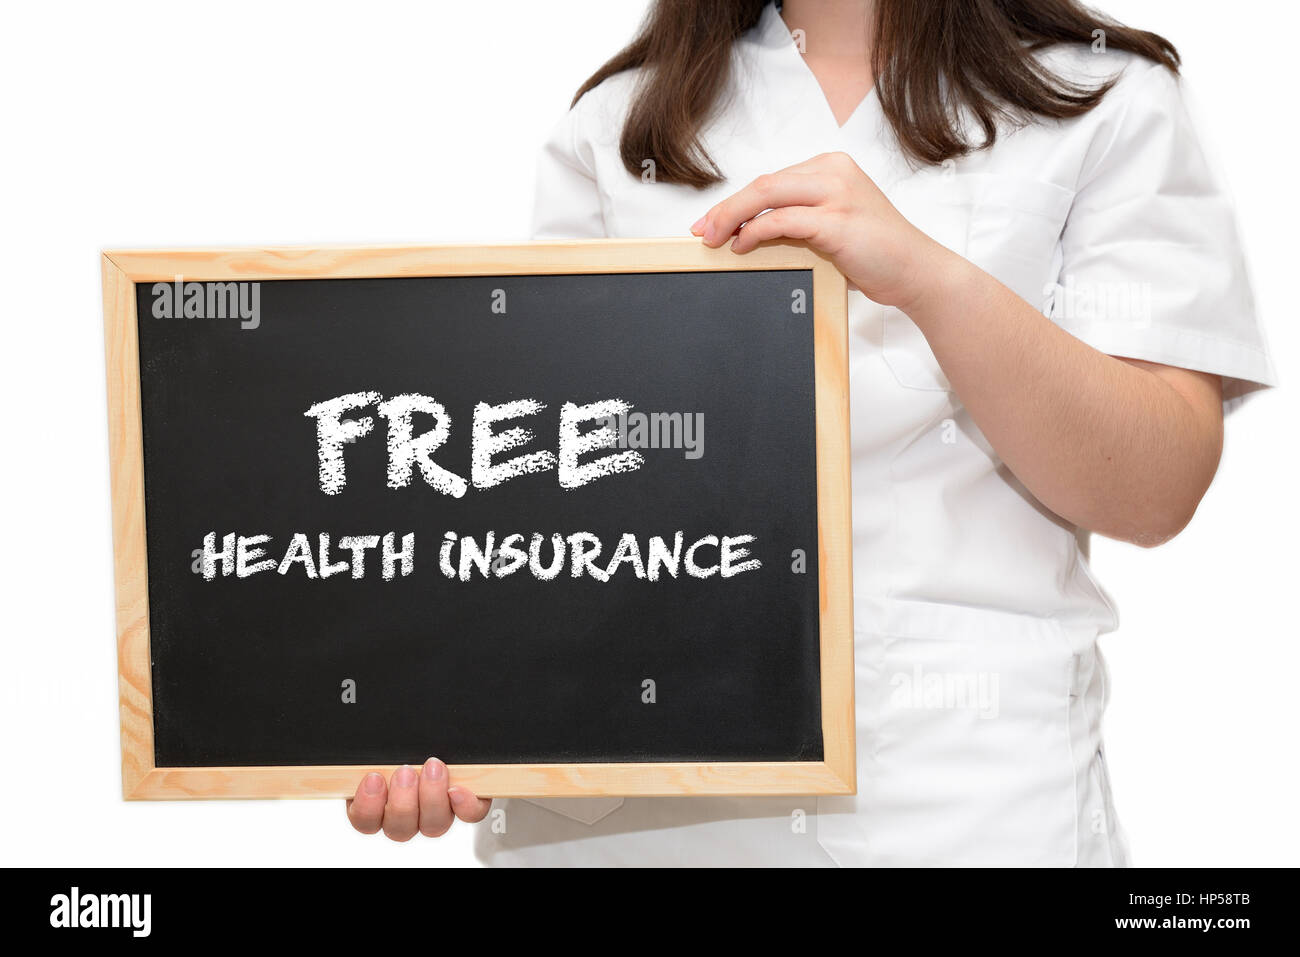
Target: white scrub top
(980, 690)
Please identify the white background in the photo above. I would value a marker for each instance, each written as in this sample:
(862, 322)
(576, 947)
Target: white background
(164, 124)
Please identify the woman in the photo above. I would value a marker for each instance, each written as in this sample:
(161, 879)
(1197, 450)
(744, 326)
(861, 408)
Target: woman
(1048, 314)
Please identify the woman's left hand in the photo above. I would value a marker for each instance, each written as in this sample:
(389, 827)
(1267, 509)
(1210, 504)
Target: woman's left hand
(830, 203)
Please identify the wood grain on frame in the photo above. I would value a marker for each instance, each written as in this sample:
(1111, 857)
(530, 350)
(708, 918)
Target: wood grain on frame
(835, 774)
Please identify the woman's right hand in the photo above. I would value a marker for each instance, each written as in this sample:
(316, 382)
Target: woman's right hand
(413, 803)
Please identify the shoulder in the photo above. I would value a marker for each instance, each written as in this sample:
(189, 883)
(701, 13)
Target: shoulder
(1141, 115)
(1133, 76)
(592, 126)
(599, 115)
(1142, 120)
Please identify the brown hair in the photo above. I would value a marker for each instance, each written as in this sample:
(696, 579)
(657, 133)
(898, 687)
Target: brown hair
(932, 59)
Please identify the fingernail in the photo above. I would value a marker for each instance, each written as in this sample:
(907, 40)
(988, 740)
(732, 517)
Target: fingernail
(404, 777)
(458, 797)
(373, 784)
(699, 224)
(433, 769)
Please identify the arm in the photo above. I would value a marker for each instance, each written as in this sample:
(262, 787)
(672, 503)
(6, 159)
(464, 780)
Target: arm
(1122, 447)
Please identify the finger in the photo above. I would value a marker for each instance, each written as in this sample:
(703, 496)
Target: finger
(468, 807)
(402, 813)
(435, 806)
(789, 222)
(771, 191)
(366, 807)
(833, 163)
(828, 166)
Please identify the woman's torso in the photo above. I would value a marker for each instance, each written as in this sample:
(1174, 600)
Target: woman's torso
(979, 690)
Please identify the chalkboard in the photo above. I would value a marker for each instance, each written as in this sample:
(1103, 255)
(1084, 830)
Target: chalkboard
(558, 514)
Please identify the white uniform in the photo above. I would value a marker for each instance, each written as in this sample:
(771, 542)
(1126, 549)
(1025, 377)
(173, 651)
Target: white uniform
(979, 687)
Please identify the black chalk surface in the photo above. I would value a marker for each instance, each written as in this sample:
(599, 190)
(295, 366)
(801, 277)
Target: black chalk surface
(515, 669)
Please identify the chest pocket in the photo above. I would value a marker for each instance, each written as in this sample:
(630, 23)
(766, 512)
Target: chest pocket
(1008, 226)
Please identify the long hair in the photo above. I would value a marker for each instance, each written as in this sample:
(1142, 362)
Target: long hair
(933, 60)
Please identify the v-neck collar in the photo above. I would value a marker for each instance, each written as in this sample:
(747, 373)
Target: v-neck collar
(773, 34)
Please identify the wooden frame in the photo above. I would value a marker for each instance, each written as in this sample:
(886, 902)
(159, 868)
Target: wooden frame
(141, 779)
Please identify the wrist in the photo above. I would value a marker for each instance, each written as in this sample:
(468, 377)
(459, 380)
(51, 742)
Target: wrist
(941, 277)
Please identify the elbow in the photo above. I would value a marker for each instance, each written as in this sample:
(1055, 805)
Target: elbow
(1157, 523)
(1146, 524)
(1154, 533)
(1163, 511)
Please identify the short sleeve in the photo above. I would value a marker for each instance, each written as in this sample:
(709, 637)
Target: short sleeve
(1151, 262)
(566, 204)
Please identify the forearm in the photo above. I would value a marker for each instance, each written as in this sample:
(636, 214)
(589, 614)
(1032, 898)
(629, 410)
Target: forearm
(1105, 443)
